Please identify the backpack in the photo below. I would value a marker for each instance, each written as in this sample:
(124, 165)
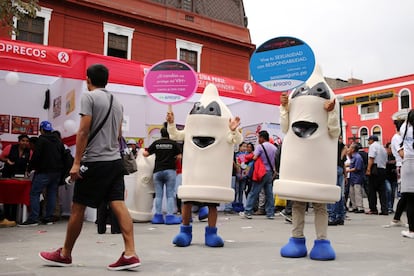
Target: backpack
(67, 165)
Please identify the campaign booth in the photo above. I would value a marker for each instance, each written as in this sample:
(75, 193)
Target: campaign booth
(45, 83)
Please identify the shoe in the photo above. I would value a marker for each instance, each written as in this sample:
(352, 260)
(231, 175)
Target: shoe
(295, 248)
(157, 219)
(203, 213)
(287, 217)
(7, 223)
(248, 215)
(259, 213)
(332, 223)
(371, 212)
(172, 219)
(359, 211)
(270, 217)
(398, 223)
(48, 221)
(55, 258)
(407, 234)
(340, 222)
(183, 239)
(28, 223)
(383, 214)
(211, 237)
(322, 251)
(125, 263)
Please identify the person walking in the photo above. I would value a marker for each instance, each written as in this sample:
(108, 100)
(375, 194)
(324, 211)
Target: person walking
(100, 176)
(407, 171)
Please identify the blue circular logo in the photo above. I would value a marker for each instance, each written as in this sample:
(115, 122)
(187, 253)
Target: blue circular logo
(282, 63)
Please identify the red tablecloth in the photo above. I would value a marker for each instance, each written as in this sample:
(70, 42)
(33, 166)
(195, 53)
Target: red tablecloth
(15, 191)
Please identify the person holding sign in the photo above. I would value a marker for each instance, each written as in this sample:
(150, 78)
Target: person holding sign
(209, 137)
(309, 117)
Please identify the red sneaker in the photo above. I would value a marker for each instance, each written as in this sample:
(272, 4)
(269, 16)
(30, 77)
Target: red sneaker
(55, 258)
(125, 263)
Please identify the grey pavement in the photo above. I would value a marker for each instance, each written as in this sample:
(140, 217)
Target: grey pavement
(362, 245)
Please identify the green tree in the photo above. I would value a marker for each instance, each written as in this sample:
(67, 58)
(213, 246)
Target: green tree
(21, 9)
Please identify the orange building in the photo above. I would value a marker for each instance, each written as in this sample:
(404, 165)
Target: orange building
(213, 38)
(369, 109)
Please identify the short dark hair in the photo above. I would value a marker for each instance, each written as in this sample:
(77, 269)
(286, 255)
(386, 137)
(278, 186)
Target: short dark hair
(164, 133)
(98, 75)
(22, 136)
(398, 124)
(264, 134)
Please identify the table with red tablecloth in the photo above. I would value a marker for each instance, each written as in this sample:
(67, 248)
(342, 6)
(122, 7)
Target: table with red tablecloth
(15, 191)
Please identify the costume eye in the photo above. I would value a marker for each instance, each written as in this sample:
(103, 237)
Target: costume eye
(212, 109)
(320, 90)
(300, 91)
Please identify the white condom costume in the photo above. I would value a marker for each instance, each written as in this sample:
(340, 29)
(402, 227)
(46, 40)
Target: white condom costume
(308, 164)
(208, 150)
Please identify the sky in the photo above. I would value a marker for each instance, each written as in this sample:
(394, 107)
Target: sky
(371, 40)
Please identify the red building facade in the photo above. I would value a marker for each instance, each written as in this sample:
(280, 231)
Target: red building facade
(370, 109)
(213, 38)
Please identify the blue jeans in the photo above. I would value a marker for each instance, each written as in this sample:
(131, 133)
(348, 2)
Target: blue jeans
(240, 187)
(336, 210)
(167, 178)
(228, 206)
(390, 190)
(267, 184)
(40, 181)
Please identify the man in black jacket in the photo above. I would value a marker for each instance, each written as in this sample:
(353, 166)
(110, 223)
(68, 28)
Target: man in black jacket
(47, 162)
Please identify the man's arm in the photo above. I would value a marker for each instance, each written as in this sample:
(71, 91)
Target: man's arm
(81, 143)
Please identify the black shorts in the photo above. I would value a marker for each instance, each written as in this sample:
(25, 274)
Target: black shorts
(102, 181)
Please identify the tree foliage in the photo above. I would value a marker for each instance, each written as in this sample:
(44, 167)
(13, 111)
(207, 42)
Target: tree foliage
(21, 9)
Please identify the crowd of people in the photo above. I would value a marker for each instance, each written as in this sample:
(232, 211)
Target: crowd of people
(384, 172)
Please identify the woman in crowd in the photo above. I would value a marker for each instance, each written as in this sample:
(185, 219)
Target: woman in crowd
(407, 171)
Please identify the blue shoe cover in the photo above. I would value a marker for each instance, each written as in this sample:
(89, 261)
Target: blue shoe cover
(172, 219)
(185, 236)
(322, 251)
(295, 248)
(203, 213)
(157, 219)
(212, 239)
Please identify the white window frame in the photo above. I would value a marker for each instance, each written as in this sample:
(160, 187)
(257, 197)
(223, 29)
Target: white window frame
(45, 13)
(118, 30)
(399, 98)
(190, 46)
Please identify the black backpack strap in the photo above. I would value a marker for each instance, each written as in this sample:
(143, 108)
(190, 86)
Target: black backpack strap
(267, 157)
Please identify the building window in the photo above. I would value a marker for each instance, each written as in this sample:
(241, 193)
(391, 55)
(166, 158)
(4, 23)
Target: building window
(376, 130)
(405, 101)
(190, 53)
(370, 108)
(117, 40)
(189, 57)
(117, 45)
(363, 137)
(187, 5)
(34, 30)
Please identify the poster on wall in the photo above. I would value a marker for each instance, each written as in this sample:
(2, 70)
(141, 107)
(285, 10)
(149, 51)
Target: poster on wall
(57, 106)
(70, 101)
(4, 123)
(138, 140)
(25, 125)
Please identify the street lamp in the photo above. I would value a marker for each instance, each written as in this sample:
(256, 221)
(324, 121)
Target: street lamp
(354, 131)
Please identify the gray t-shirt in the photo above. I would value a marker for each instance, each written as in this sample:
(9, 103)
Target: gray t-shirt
(105, 145)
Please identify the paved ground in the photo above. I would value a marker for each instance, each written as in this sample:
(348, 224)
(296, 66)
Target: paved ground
(362, 245)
